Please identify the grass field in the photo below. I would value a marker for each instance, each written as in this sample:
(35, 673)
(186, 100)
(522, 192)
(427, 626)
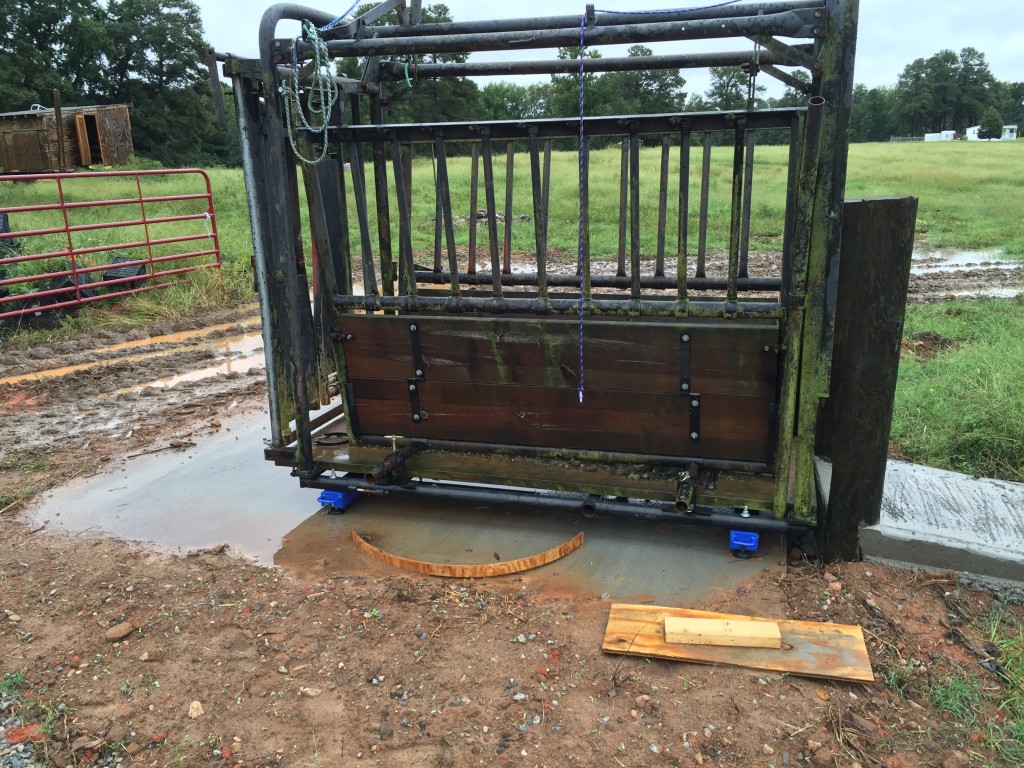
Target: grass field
(963, 408)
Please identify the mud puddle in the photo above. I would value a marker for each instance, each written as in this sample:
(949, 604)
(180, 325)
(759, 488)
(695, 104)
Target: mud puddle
(960, 261)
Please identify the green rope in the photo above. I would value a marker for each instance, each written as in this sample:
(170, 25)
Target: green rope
(320, 99)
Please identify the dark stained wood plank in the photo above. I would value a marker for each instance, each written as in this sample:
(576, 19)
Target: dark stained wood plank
(739, 359)
(652, 423)
(874, 274)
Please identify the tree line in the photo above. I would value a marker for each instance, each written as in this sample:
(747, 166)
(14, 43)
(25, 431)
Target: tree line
(147, 53)
(948, 91)
(150, 54)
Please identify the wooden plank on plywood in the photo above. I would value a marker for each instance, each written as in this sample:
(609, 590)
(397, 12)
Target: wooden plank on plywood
(740, 633)
(810, 648)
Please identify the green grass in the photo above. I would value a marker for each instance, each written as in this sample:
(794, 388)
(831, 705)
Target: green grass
(969, 191)
(1003, 631)
(13, 685)
(964, 408)
(960, 696)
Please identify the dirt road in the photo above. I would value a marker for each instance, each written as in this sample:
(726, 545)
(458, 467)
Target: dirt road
(112, 653)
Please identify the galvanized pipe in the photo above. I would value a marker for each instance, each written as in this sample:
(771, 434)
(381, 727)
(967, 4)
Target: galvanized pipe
(439, 29)
(793, 24)
(572, 66)
(561, 502)
(596, 307)
(534, 452)
(606, 281)
(567, 128)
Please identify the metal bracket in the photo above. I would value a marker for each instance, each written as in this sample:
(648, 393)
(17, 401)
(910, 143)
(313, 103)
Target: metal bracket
(684, 363)
(414, 400)
(794, 56)
(694, 417)
(419, 366)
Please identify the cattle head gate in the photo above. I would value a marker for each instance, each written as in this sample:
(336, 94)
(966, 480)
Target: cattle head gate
(665, 375)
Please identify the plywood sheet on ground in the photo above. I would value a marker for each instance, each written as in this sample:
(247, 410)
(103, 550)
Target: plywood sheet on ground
(810, 649)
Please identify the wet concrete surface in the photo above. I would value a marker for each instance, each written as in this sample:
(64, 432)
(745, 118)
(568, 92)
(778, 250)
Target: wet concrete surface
(940, 519)
(222, 491)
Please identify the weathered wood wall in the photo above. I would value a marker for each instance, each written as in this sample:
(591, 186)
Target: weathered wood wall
(514, 382)
(29, 143)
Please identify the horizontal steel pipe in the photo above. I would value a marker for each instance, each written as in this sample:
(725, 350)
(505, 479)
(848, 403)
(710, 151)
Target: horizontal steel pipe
(566, 127)
(535, 452)
(559, 22)
(388, 467)
(496, 305)
(603, 281)
(559, 502)
(796, 24)
(570, 66)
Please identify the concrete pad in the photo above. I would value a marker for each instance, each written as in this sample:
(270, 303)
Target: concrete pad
(223, 491)
(940, 519)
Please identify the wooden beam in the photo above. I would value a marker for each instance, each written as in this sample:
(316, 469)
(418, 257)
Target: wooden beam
(874, 275)
(744, 634)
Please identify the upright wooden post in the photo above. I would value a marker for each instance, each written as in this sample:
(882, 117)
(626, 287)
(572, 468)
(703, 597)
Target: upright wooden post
(874, 276)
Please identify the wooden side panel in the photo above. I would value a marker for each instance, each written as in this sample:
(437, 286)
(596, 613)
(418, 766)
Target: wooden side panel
(642, 422)
(82, 134)
(514, 382)
(115, 135)
(737, 360)
(24, 144)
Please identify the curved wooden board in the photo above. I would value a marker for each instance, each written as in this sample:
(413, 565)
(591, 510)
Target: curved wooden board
(472, 570)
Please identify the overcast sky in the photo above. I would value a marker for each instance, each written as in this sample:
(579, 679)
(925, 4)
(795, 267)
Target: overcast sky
(892, 32)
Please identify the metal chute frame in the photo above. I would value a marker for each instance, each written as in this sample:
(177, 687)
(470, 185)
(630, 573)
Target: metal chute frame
(307, 345)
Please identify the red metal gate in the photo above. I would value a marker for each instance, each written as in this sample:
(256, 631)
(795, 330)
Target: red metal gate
(68, 240)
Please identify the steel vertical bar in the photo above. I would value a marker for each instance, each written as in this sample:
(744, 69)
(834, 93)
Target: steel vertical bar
(492, 217)
(634, 210)
(623, 206)
(474, 183)
(537, 185)
(748, 188)
(444, 194)
(407, 175)
(510, 158)
(437, 212)
(791, 188)
(145, 222)
(736, 209)
(344, 276)
(705, 194)
(547, 202)
(380, 177)
(585, 192)
(659, 267)
(407, 268)
(684, 213)
(359, 192)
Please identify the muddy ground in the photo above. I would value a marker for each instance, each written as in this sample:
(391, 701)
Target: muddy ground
(114, 653)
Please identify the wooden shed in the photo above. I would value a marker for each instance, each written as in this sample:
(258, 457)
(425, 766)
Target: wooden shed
(31, 141)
